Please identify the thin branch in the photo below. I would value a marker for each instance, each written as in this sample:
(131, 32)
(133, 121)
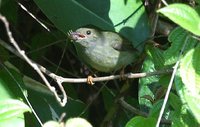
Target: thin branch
(84, 80)
(111, 77)
(24, 8)
(22, 54)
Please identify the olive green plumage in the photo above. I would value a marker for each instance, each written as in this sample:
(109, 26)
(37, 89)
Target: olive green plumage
(103, 50)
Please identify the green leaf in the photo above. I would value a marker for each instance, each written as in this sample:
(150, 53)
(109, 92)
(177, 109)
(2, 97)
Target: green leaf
(190, 75)
(155, 110)
(39, 44)
(177, 38)
(189, 102)
(190, 71)
(147, 85)
(156, 55)
(9, 9)
(197, 8)
(183, 15)
(52, 124)
(9, 81)
(176, 118)
(4, 53)
(108, 98)
(12, 108)
(139, 121)
(175, 101)
(77, 122)
(198, 1)
(126, 18)
(40, 96)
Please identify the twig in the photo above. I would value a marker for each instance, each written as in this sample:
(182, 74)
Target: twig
(111, 77)
(33, 17)
(84, 80)
(22, 54)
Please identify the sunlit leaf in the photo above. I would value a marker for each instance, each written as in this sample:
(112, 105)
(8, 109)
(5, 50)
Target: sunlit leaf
(190, 75)
(183, 15)
(12, 108)
(139, 121)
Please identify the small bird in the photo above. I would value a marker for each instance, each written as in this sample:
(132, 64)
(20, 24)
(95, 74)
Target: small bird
(104, 51)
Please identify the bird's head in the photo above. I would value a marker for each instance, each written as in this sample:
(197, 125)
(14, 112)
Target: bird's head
(87, 37)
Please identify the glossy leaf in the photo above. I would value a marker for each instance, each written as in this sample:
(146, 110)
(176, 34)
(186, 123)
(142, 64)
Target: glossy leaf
(52, 124)
(190, 70)
(125, 17)
(177, 38)
(12, 108)
(77, 122)
(175, 102)
(40, 96)
(155, 110)
(9, 9)
(156, 55)
(139, 121)
(108, 98)
(183, 15)
(190, 75)
(147, 85)
(186, 112)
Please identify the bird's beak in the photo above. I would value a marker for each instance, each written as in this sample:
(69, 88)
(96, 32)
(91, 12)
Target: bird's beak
(75, 35)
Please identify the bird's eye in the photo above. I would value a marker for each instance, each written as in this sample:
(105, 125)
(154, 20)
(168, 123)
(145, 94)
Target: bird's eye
(88, 32)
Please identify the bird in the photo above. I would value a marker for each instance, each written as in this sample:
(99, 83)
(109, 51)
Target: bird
(104, 51)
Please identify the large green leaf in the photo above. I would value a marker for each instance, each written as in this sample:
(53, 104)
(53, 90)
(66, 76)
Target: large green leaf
(190, 71)
(190, 75)
(183, 15)
(77, 122)
(147, 86)
(182, 119)
(108, 98)
(139, 121)
(11, 108)
(177, 38)
(9, 9)
(156, 55)
(126, 17)
(189, 102)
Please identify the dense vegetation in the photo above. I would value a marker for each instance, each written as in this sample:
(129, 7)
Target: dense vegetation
(165, 75)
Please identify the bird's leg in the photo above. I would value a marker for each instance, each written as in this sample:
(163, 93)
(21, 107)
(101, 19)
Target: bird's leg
(90, 80)
(90, 74)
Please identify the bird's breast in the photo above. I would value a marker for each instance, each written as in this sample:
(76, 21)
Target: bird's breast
(102, 59)
(105, 59)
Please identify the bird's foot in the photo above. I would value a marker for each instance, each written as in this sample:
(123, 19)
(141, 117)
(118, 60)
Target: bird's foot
(90, 80)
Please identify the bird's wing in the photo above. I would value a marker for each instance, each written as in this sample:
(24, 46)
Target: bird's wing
(121, 44)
